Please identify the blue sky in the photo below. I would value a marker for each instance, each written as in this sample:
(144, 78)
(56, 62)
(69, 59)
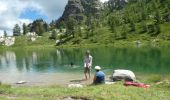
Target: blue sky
(25, 11)
(32, 15)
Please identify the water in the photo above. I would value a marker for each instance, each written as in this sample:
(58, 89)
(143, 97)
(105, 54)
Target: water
(52, 66)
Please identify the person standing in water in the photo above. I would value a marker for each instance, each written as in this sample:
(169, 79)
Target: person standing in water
(87, 64)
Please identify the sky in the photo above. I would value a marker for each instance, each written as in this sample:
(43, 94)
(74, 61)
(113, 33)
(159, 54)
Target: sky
(25, 11)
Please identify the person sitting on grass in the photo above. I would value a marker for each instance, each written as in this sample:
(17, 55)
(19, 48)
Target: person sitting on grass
(99, 77)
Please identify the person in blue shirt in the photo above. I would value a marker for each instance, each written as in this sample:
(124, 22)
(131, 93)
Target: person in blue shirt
(99, 77)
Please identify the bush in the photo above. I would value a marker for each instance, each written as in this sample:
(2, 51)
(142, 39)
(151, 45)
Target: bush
(155, 78)
(151, 28)
(53, 35)
(93, 40)
(76, 41)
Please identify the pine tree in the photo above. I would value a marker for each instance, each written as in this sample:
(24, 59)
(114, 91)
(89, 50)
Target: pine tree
(71, 23)
(16, 30)
(52, 25)
(132, 26)
(151, 28)
(112, 23)
(5, 33)
(25, 29)
(157, 17)
(79, 31)
(124, 32)
(39, 26)
(53, 34)
(143, 27)
(41, 29)
(157, 29)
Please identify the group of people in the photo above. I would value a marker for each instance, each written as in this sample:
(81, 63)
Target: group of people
(118, 75)
(99, 76)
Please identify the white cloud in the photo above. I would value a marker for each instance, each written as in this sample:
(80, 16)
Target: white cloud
(53, 8)
(10, 11)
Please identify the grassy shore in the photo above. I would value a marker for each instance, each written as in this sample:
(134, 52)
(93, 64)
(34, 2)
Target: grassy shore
(117, 44)
(102, 37)
(101, 92)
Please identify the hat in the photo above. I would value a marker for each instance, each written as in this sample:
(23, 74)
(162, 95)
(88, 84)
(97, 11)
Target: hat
(97, 68)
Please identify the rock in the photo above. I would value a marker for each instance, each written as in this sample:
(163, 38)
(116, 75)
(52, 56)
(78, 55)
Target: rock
(79, 9)
(109, 83)
(138, 43)
(123, 74)
(21, 82)
(31, 34)
(68, 98)
(7, 41)
(2, 39)
(33, 39)
(91, 6)
(73, 8)
(117, 4)
(75, 86)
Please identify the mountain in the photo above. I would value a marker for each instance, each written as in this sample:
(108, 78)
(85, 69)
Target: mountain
(80, 9)
(108, 23)
(118, 20)
(74, 8)
(117, 4)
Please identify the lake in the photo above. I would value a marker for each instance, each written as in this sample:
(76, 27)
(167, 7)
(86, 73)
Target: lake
(52, 66)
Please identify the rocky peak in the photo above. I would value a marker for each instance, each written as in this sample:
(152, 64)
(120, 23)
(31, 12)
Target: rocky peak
(91, 6)
(80, 8)
(117, 4)
(72, 8)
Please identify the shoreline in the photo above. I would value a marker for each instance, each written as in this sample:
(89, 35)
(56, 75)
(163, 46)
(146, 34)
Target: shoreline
(79, 79)
(117, 44)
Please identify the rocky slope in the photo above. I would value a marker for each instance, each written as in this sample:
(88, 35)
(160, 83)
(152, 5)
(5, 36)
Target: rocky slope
(117, 4)
(79, 9)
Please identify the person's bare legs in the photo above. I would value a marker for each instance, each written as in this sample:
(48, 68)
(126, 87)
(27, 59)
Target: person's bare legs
(85, 73)
(88, 72)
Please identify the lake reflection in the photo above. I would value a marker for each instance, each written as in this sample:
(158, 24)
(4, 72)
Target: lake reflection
(49, 63)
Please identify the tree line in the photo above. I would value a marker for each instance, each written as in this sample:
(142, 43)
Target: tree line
(39, 26)
(122, 18)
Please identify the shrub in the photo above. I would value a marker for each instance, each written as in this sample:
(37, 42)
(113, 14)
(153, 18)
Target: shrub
(154, 78)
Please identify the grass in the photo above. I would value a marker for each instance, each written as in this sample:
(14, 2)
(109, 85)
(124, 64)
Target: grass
(100, 92)
(101, 37)
(41, 41)
(116, 91)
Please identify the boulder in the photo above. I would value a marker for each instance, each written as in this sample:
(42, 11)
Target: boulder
(126, 75)
(9, 41)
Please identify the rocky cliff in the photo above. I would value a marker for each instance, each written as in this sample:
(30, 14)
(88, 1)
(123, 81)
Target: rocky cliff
(79, 9)
(117, 4)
